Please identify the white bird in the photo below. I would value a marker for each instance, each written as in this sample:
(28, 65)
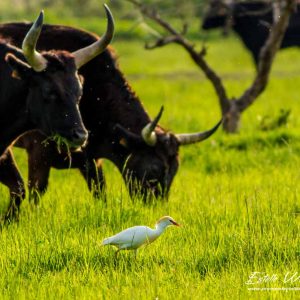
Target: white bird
(134, 237)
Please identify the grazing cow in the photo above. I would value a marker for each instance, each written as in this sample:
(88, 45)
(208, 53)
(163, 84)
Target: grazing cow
(119, 127)
(251, 20)
(42, 93)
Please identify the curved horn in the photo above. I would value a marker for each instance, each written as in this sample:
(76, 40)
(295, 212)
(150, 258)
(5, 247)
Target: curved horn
(191, 138)
(35, 59)
(84, 55)
(148, 133)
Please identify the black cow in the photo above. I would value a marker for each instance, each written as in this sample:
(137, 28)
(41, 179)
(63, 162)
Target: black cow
(119, 127)
(251, 20)
(42, 93)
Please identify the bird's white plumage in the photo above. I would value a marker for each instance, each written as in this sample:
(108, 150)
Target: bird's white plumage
(134, 237)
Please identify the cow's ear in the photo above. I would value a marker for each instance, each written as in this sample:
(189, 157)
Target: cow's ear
(124, 142)
(21, 70)
(128, 139)
(129, 143)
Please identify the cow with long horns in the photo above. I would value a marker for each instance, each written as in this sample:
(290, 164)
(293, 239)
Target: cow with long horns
(119, 127)
(40, 91)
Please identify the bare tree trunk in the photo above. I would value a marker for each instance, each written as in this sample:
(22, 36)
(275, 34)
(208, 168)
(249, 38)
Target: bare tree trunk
(231, 117)
(231, 109)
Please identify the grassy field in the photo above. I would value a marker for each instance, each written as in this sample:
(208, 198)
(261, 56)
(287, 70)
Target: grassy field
(236, 196)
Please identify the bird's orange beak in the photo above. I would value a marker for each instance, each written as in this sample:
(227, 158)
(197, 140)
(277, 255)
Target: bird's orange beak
(175, 223)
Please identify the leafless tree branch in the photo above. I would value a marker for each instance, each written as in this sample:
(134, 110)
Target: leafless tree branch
(162, 42)
(231, 109)
(178, 38)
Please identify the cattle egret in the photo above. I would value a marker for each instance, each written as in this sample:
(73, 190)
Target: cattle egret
(134, 237)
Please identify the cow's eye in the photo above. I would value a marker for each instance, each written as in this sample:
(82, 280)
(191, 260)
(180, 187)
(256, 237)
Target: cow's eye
(52, 97)
(49, 94)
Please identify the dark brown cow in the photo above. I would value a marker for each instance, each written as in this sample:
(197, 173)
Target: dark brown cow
(119, 127)
(40, 91)
(251, 20)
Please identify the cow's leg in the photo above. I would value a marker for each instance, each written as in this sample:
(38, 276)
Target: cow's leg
(93, 173)
(38, 174)
(11, 177)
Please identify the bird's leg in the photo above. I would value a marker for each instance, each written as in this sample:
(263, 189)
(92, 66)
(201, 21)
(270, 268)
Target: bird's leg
(135, 253)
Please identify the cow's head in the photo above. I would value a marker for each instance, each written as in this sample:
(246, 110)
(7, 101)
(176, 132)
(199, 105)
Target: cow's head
(217, 14)
(54, 87)
(153, 157)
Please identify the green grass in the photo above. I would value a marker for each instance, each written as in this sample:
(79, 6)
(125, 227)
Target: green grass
(236, 196)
